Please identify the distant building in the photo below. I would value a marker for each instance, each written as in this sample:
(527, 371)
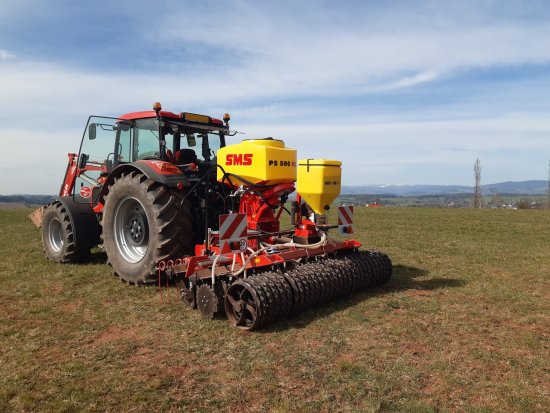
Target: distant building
(374, 205)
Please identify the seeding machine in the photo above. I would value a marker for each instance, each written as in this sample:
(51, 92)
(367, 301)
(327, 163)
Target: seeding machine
(165, 197)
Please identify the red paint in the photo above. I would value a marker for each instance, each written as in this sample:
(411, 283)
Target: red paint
(347, 218)
(148, 114)
(259, 213)
(161, 167)
(190, 265)
(152, 114)
(306, 229)
(85, 192)
(70, 176)
(239, 159)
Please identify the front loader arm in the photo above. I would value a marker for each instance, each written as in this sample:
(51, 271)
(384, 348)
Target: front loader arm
(67, 185)
(66, 189)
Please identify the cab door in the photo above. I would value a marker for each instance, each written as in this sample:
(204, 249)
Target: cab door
(106, 143)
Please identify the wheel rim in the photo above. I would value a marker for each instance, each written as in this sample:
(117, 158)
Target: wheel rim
(131, 229)
(242, 306)
(55, 235)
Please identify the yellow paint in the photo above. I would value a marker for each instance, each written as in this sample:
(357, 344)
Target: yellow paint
(193, 117)
(319, 182)
(265, 161)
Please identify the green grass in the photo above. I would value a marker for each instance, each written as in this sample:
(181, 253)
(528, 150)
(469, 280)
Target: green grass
(464, 325)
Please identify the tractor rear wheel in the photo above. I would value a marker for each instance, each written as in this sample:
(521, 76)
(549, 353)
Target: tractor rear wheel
(58, 235)
(144, 222)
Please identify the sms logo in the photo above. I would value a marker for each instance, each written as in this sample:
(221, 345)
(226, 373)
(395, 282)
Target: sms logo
(238, 159)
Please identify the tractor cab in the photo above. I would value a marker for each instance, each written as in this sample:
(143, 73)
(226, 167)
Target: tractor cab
(155, 141)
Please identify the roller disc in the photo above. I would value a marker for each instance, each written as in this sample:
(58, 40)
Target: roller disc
(379, 269)
(284, 292)
(295, 291)
(298, 290)
(388, 265)
(322, 283)
(273, 294)
(243, 306)
(363, 275)
(335, 268)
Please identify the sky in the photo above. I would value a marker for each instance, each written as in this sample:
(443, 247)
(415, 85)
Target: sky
(401, 92)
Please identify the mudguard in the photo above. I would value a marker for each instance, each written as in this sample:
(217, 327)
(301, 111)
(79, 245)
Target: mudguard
(83, 220)
(162, 172)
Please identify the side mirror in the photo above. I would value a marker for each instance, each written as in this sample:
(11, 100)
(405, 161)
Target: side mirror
(191, 141)
(92, 129)
(82, 160)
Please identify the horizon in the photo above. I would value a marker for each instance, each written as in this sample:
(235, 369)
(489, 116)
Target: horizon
(359, 185)
(398, 92)
(482, 184)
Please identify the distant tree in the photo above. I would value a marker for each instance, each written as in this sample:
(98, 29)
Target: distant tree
(496, 202)
(548, 200)
(477, 187)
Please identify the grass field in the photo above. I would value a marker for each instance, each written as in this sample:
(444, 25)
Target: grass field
(464, 325)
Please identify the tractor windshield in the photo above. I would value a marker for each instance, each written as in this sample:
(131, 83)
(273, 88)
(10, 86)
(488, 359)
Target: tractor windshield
(185, 142)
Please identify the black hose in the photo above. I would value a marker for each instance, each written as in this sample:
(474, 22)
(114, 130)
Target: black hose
(207, 173)
(227, 175)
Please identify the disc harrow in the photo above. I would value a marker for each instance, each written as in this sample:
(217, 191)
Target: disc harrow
(272, 296)
(187, 295)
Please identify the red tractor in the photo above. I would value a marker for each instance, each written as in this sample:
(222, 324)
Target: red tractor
(164, 196)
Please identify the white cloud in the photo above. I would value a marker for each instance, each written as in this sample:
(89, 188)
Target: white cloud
(280, 55)
(5, 55)
(438, 151)
(51, 104)
(323, 54)
(38, 158)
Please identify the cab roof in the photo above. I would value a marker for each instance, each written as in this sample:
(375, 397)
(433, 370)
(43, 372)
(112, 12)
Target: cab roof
(152, 114)
(148, 114)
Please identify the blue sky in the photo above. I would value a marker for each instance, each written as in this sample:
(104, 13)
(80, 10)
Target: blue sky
(402, 92)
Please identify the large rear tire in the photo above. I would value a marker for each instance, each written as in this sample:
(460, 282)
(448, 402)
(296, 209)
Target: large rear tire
(144, 222)
(58, 235)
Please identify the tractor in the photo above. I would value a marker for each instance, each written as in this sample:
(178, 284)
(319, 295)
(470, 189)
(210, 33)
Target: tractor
(167, 199)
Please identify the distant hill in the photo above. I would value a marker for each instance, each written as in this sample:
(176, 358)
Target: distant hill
(525, 187)
(533, 187)
(26, 200)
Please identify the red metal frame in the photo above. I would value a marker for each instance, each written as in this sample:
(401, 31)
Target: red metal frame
(259, 208)
(73, 171)
(201, 265)
(70, 176)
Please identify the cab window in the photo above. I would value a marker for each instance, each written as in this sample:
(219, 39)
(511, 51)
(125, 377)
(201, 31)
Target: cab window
(146, 139)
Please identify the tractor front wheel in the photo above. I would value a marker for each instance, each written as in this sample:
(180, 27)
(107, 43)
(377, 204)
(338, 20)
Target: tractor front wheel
(144, 222)
(58, 235)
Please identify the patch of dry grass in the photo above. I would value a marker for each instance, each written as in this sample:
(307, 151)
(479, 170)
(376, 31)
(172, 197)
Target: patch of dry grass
(462, 326)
